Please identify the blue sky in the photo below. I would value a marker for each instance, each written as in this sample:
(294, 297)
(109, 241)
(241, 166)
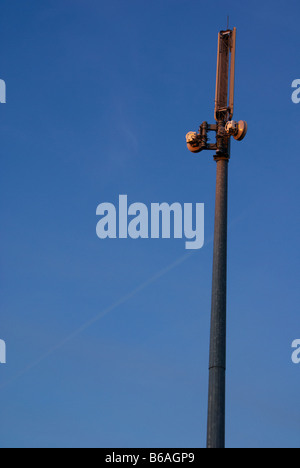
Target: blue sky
(100, 96)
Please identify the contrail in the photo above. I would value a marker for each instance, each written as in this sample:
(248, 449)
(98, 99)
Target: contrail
(100, 315)
(109, 309)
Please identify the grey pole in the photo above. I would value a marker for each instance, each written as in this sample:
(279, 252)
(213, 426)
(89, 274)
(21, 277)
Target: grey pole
(225, 128)
(217, 364)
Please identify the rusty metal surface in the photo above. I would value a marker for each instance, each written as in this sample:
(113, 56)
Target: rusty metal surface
(232, 73)
(221, 102)
(217, 364)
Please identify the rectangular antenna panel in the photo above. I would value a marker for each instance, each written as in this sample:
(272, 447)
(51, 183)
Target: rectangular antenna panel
(226, 48)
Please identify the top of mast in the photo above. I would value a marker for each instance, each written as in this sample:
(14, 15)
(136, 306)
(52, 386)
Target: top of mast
(225, 127)
(224, 106)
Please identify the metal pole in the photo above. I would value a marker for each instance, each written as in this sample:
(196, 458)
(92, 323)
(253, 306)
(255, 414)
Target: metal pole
(197, 142)
(217, 364)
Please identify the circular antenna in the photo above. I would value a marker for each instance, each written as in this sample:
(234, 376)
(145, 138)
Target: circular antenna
(241, 131)
(193, 143)
(193, 148)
